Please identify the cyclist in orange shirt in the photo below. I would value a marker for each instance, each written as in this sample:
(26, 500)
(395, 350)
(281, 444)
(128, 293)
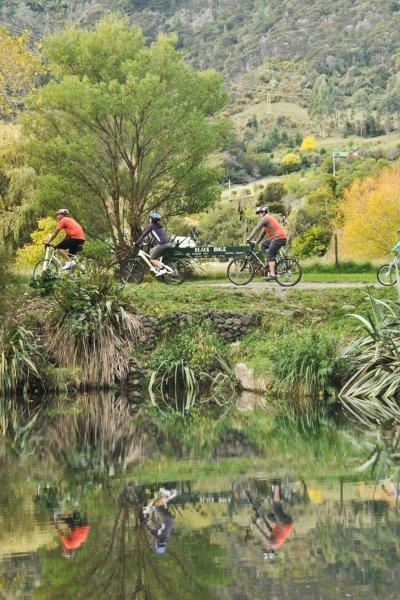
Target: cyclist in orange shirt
(77, 532)
(277, 237)
(273, 536)
(74, 235)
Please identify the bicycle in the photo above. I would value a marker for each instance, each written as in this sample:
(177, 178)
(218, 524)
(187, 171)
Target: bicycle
(52, 263)
(132, 269)
(242, 269)
(387, 274)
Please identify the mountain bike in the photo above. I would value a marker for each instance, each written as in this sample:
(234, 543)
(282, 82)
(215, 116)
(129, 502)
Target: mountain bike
(242, 269)
(387, 274)
(52, 263)
(132, 270)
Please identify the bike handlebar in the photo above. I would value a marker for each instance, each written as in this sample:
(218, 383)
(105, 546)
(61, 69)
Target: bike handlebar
(48, 245)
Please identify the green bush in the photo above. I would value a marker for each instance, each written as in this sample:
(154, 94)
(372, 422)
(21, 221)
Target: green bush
(305, 363)
(194, 359)
(313, 242)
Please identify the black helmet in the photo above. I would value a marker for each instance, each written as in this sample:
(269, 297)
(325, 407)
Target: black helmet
(155, 216)
(261, 209)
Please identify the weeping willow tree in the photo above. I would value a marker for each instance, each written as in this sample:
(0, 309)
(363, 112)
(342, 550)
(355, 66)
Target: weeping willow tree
(18, 208)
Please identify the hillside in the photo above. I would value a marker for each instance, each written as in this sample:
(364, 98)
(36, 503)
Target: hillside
(344, 54)
(235, 36)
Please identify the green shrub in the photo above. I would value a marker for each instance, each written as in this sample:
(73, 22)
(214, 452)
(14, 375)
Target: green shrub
(94, 327)
(192, 360)
(305, 363)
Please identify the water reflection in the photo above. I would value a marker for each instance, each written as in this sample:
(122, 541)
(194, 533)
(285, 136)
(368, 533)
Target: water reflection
(215, 537)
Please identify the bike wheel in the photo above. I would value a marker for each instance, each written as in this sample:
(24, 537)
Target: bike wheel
(240, 271)
(131, 271)
(387, 275)
(44, 265)
(288, 272)
(179, 273)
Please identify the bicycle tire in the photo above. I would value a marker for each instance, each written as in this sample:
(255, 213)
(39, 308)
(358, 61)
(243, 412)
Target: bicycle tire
(240, 265)
(131, 271)
(180, 271)
(387, 275)
(288, 272)
(44, 265)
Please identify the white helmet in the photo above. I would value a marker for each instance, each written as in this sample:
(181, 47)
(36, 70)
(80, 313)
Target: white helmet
(63, 211)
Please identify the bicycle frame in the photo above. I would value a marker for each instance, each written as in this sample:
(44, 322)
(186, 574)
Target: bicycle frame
(146, 259)
(50, 256)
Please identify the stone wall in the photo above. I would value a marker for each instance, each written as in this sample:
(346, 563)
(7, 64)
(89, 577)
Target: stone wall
(230, 325)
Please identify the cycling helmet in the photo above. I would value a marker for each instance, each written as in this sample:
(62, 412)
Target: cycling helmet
(155, 216)
(63, 211)
(261, 209)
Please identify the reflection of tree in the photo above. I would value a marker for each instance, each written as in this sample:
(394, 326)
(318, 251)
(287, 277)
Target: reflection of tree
(98, 432)
(120, 561)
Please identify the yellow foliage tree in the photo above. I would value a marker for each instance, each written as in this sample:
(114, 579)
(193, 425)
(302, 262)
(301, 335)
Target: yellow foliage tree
(291, 160)
(309, 144)
(371, 216)
(19, 67)
(30, 254)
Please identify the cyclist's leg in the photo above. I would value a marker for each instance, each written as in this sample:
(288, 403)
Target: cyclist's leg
(68, 247)
(272, 252)
(63, 248)
(265, 248)
(156, 253)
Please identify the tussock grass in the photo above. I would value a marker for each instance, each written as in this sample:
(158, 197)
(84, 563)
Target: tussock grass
(94, 328)
(20, 359)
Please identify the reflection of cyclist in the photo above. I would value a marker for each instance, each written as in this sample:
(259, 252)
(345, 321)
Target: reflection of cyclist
(160, 522)
(277, 236)
(77, 531)
(74, 236)
(156, 229)
(273, 536)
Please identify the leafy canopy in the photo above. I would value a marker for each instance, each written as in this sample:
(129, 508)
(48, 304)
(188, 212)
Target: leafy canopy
(124, 128)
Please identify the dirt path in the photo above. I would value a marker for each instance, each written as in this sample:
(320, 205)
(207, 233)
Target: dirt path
(261, 286)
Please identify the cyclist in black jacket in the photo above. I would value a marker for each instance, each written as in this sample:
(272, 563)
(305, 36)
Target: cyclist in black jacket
(156, 229)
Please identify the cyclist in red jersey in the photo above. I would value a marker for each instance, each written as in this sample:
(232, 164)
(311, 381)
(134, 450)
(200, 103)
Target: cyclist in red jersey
(273, 230)
(275, 535)
(74, 235)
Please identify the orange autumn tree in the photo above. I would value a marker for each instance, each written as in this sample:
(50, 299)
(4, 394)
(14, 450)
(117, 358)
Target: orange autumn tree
(370, 213)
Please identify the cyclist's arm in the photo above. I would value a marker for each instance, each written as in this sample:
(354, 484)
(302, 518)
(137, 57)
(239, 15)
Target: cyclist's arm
(262, 223)
(145, 233)
(53, 236)
(262, 236)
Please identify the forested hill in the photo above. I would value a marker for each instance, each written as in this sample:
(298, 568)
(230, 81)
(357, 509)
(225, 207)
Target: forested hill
(237, 35)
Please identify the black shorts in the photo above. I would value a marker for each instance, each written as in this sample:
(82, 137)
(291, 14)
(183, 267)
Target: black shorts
(72, 245)
(274, 248)
(278, 515)
(159, 250)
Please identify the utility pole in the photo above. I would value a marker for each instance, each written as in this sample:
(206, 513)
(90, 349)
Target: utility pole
(269, 105)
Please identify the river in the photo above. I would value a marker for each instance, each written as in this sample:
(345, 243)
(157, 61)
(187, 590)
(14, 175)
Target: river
(89, 508)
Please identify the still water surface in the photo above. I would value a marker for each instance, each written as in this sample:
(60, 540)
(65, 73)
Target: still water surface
(219, 537)
(225, 531)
